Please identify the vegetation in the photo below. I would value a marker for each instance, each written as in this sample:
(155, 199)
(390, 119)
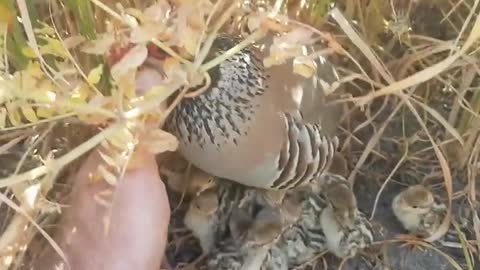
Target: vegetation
(408, 69)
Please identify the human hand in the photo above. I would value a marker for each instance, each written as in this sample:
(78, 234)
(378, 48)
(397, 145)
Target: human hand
(139, 220)
(138, 217)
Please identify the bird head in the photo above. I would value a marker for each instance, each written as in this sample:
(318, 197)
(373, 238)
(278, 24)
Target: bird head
(200, 180)
(206, 202)
(343, 202)
(417, 200)
(293, 203)
(266, 226)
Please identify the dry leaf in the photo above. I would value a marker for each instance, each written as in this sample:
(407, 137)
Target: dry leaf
(256, 20)
(99, 46)
(73, 41)
(29, 52)
(132, 59)
(3, 117)
(108, 159)
(80, 93)
(159, 11)
(95, 74)
(146, 80)
(288, 45)
(124, 139)
(109, 177)
(174, 72)
(13, 114)
(45, 112)
(145, 32)
(304, 66)
(54, 47)
(29, 113)
(159, 141)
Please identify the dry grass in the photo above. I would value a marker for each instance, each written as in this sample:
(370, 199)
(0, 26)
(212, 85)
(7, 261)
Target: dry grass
(390, 77)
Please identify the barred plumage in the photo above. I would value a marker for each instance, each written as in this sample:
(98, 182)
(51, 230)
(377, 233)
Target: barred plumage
(248, 127)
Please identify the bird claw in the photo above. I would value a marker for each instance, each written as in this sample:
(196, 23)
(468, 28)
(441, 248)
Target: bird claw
(410, 242)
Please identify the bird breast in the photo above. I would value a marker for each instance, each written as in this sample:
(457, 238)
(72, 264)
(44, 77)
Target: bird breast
(247, 126)
(333, 232)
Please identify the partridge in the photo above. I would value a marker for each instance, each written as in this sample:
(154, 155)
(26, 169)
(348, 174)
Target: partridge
(257, 125)
(231, 195)
(346, 229)
(304, 238)
(417, 211)
(340, 198)
(202, 219)
(276, 259)
(249, 242)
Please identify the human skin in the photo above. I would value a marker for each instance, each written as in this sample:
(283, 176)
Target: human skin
(139, 220)
(139, 216)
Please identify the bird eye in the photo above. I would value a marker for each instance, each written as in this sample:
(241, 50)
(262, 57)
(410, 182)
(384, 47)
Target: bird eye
(414, 206)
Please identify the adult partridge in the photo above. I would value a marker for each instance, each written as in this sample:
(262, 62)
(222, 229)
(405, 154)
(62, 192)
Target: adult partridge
(257, 125)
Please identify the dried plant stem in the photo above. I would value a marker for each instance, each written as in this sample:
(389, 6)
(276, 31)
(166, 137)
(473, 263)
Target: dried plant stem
(229, 53)
(57, 164)
(25, 214)
(216, 6)
(211, 37)
(384, 184)
(357, 40)
(27, 24)
(425, 74)
(150, 104)
(447, 175)
(372, 142)
(155, 41)
(51, 119)
(208, 81)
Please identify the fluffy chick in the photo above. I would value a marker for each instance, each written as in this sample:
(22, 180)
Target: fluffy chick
(292, 205)
(346, 229)
(250, 241)
(341, 199)
(304, 238)
(417, 211)
(276, 259)
(339, 165)
(201, 218)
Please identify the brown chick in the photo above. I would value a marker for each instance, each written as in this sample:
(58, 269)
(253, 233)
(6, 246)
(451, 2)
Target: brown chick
(339, 165)
(341, 199)
(251, 239)
(293, 204)
(201, 218)
(191, 183)
(345, 228)
(417, 210)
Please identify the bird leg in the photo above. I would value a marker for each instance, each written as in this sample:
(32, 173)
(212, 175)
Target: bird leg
(410, 242)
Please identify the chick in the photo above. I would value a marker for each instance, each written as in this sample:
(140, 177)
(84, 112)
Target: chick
(292, 205)
(339, 165)
(341, 199)
(276, 259)
(417, 210)
(202, 218)
(304, 238)
(250, 241)
(190, 184)
(300, 244)
(346, 229)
